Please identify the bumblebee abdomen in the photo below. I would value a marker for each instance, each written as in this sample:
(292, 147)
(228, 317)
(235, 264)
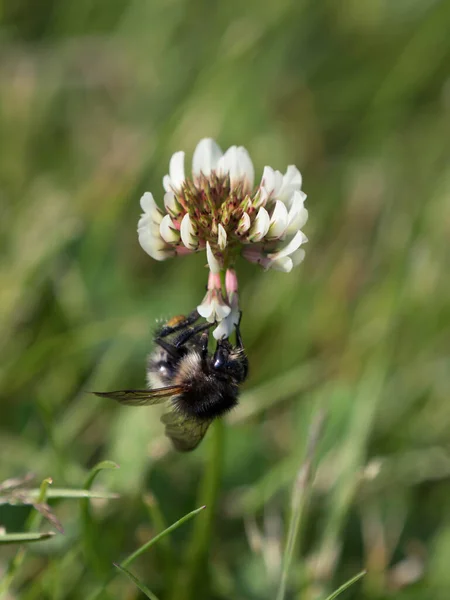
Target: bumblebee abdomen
(207, 400)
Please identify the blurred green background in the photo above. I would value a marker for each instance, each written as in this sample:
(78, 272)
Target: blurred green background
(94, 99)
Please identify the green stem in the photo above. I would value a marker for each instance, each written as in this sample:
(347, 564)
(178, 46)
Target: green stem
(193, 575)
(300, 496)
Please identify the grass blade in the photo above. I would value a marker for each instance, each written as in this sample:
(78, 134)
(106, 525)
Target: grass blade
(97, 593)
(74, 494)
(300, 495)
(346, 585)
(157, 519)
(158, 537)
(21, 538)
(144, 589)
(101, 466)
(89, 526)
(193, 575)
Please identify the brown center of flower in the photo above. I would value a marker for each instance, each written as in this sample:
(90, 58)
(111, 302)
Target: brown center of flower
(211, 201)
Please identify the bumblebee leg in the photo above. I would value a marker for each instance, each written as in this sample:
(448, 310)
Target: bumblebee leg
(240, 346)
(173, 348)
(239, 342)
(204, 340)
(189, 320)
(187, 335)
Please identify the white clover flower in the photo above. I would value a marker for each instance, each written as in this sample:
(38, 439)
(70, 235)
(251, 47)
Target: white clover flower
(214, 307)
(228, 324)
(219, 210)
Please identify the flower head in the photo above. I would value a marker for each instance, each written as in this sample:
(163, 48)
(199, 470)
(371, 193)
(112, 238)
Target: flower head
(218, 209)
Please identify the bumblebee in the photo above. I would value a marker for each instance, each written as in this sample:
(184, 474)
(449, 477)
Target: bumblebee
(197, 386)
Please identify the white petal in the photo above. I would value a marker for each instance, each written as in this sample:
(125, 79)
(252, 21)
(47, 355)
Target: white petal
(284, 264)
(148, 203)
(278, 221)
(298, 239)
(227, 326)
(213, 307)
(167, 183)
(246, 168)
(292, 181)
(171, 204)
(244, 224)
(298, 256)
(298, 215)
(260, 225)
(151, 221)
(222, 237)
(213, 263)
(206, 308)
(206, 157)
(271, 181)
(224, 329)
(237, 163)
(176, 170)
(153, 244)
(168, 231)
(221, 309)
(187, 233)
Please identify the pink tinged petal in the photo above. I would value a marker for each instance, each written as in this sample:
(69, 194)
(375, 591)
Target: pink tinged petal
(171, 204)
(254, 255)
(213, 263)
(182, 250)
(168, 231)
(244, 224)
(278, 221)
(206, 157)
(214, 281)
(222, 237)
(260, 225)
(298, 215)
(231, 282)
(187, 232)
(228, 324)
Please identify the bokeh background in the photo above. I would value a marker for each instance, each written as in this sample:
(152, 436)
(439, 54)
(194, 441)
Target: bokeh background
(94, 99)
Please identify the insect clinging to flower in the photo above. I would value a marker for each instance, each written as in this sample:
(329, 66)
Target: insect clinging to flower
(197, 386)
(220, 211)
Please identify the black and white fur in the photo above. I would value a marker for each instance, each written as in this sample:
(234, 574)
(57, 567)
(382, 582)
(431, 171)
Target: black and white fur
(210, 381)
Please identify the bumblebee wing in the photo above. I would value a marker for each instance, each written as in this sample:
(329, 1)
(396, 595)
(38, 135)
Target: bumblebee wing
(142, 397)
(186, 433)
